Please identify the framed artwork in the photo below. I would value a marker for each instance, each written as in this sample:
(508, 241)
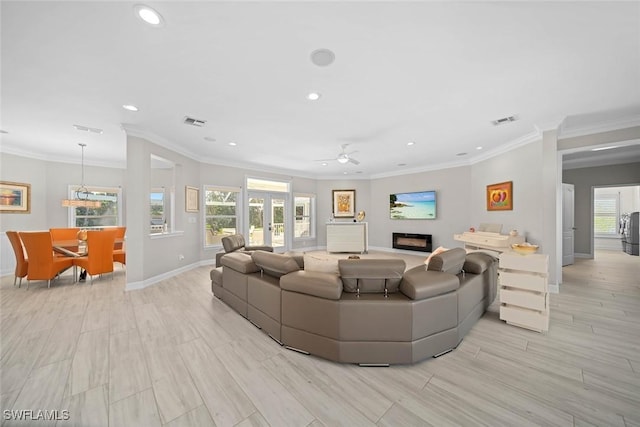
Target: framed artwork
(15, 197)
(192, 199)
(500, 196)
(344, 203)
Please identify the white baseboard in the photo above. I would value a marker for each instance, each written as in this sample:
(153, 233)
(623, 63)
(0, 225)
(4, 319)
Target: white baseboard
(132, 286)
(579, 255)
(554, 288)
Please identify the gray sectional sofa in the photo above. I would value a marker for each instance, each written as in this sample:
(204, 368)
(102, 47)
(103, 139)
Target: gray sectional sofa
(372, 312)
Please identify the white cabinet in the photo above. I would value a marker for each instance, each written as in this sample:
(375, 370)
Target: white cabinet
(524, 290)
(347, 237)
(486, 240)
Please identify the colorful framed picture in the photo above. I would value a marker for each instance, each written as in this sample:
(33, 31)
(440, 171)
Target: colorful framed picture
(500, 196)
(192, 199)
(344, 203)
(15, 197)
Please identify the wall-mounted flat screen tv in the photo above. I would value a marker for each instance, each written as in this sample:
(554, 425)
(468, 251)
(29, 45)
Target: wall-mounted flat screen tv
(417, 205)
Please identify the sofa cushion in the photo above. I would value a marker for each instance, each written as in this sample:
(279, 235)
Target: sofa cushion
(477, 262)
(323, 285)
(273, 264)
(435, 252)
(419, 283)
(240, 262)
(216, 276)
(450, 261)
(371, 275)
(321, 264)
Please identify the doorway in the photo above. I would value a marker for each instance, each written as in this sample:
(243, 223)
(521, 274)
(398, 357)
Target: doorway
(267, 220)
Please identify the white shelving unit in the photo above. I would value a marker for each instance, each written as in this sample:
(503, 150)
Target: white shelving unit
(347, 237)
(524, 290)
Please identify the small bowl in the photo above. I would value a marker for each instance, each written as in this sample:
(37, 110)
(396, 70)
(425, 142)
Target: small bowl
(525, 248)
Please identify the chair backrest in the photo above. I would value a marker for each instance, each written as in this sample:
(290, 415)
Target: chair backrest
(120, 232)
(69, 233)
(40, 253)
(233, 242)
(100, 250)
(22, 265)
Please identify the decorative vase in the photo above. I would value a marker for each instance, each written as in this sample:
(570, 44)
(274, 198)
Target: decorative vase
(82, 235)
(513, 233)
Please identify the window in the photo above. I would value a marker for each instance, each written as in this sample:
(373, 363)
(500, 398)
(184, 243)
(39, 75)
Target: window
(267, 185)
(107, 215)
(605, 213)
(221, 213)
(304, 206)
(157, 204)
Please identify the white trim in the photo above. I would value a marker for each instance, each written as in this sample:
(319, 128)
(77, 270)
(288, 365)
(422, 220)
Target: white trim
(608, 126)
(166, 235)
(132, 286)
(554, 288)
(581, 255)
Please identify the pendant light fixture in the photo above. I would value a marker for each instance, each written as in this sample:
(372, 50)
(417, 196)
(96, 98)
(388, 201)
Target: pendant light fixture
(82, 194)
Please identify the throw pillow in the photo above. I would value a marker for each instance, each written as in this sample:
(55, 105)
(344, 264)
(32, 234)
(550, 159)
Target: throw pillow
(321, 264)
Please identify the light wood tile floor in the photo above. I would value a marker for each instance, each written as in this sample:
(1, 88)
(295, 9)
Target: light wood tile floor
(174, 355)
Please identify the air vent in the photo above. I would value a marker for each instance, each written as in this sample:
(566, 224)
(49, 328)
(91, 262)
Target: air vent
(194, 122)
(504, 120)
(88, 129)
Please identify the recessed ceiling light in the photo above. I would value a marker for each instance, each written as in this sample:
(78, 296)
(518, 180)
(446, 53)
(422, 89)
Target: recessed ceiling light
(325, 164)
(210, 139)
(345, 173)
(130, 107)
(233, 144)
(604, 148)
(358, 171)
(148, 15)
(322, 57)
(461, 154)
(478, 148)
(411, 143)
(313, 96)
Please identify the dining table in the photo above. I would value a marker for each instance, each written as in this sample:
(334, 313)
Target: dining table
(76, 248)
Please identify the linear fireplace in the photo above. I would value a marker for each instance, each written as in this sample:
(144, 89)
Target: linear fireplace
(412, 242)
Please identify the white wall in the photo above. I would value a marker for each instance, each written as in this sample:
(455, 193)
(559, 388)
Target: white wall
(452, 206)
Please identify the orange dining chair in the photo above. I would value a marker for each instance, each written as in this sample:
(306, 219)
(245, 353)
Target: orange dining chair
(120, 232)
(22, 264)
(43, 265)
(119, 253)
(68, 233)
(99, 258)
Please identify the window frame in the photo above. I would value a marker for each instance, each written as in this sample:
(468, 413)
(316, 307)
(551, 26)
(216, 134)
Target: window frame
(71, 218)
(311, 216)
(238, 212)
(616, 215)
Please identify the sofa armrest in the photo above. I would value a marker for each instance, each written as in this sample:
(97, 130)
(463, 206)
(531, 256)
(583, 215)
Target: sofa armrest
(419, 283)
(242, 263)
(323, 285)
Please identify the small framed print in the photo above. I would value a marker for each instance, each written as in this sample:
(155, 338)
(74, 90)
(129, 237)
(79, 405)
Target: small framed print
(192, 199)
(500, 196)
(344, 203)
(15, 197)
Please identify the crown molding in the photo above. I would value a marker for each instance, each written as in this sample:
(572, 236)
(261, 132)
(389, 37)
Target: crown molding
(59, 159)
(608, 126)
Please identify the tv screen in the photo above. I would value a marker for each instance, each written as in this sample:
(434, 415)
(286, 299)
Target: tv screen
(418, 205)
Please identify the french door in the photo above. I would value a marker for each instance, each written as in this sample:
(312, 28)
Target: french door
(268, 220)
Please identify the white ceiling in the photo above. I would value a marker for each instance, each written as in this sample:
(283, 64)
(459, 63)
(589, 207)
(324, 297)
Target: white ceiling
(433, 73)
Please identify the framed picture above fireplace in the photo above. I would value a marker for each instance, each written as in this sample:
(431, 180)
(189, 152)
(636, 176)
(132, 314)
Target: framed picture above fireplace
(416, 205)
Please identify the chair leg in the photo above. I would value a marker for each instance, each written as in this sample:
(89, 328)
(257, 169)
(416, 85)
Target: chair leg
(20, 282)
(28, 281)
(49, 283)
(15, 278)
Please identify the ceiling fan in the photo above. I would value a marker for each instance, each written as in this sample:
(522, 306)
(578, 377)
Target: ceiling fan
(343, 157)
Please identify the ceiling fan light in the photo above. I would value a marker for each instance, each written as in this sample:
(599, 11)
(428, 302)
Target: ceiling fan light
(343, 159)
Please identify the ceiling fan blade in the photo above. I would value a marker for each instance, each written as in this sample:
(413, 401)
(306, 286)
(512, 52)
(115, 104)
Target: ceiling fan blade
(350, 153)
(325, 160)
(354, 161)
